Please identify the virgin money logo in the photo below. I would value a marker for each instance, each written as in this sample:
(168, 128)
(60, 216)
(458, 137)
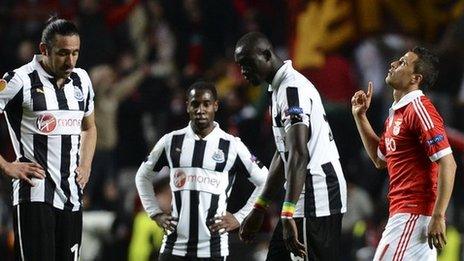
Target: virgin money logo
(46, 123)
(179, 179)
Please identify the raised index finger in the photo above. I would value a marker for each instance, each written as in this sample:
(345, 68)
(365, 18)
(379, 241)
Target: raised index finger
(370, 88)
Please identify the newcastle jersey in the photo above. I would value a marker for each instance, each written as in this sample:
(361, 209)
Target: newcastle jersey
(296, 101)
(202, 171)
(44, 122)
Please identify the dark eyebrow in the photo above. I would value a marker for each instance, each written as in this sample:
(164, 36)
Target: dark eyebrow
(68, 50)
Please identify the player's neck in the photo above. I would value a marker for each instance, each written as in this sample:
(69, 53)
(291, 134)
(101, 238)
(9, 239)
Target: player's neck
(59, 81)
(202, 133)
(277, 63)
(400, 93)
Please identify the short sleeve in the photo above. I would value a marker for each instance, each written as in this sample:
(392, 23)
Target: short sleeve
(10, 85)
(430, 128)
(295, 105)
(381, 150)
(89, 100)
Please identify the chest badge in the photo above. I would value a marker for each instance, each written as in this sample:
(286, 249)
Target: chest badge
(78, 94)
(397, 127)
(218, 156)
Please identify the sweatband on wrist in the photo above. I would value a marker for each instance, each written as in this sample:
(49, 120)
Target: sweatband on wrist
(288, 209)
(261, 203)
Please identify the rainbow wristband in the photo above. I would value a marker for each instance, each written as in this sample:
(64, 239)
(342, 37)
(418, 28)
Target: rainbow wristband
(288, 209)
(261, 203)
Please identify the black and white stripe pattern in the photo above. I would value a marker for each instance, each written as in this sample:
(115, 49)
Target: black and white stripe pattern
(202, 172)
(45, 126)
(294, 100)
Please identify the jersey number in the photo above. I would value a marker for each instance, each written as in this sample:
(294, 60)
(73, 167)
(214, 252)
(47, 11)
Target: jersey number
(75, 251)
(390, 144)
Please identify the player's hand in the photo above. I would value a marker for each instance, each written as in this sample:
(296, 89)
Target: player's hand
(165, 221)
(223, 223)
(290, 235)
(251, 225)
(361, 101)
(83, 174)
(436, 232)
(24, 171)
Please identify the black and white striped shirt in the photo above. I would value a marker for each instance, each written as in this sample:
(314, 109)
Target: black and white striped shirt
(45, 125)
(202, 171)
(295, 100)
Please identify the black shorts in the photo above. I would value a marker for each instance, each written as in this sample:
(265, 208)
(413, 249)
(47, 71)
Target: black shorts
(322, 239)
(170, 257)
(43, 232)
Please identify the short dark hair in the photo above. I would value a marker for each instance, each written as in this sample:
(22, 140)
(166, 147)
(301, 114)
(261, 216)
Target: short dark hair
(252, 38)
(205, 86)
(426, 65)
(56, 26)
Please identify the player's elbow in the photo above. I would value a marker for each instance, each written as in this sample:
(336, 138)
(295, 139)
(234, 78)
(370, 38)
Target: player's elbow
(379, 164)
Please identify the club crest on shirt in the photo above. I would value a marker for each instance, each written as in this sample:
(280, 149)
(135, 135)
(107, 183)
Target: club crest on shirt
(78, 94)
(397, 127)
(218, 156)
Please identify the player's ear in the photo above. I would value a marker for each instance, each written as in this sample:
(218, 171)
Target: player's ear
(267, 55)
(216, 105)
(416, 78)
(43, 48)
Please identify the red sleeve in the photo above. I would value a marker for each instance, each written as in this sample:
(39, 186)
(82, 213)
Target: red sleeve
(429, 126)
(381, 150)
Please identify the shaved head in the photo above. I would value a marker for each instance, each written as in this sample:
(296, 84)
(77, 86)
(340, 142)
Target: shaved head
(254, 41)
(255, 54)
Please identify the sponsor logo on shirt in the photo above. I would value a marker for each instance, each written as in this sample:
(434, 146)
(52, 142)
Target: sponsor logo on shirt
(295, 110)
(218, 156)
(47, 122)
(435, 140)
(2, 84)
(181, 179)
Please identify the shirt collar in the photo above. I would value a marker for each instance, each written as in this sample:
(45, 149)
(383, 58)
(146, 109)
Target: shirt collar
(407, 99)
(36, 63)
(279, 76)
(211, 134)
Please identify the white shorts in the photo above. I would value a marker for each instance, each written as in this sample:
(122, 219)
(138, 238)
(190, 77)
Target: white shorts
(405, 238)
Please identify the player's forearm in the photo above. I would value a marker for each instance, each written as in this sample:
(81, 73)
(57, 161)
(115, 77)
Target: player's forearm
(296, 176)
(146, 192)
(447, 170)
(88, 142)
(275, 179)
(245, 210)
(3, 164)
(369, 138)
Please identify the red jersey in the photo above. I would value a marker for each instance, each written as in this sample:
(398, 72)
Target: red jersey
(414, 138)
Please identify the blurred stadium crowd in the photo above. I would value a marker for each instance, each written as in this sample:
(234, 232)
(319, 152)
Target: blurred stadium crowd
(143, 54)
